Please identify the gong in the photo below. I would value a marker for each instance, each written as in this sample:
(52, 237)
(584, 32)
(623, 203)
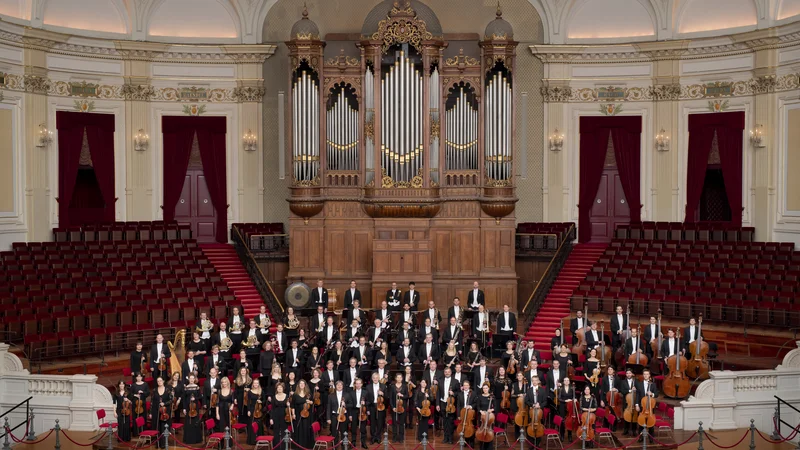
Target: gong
(298, 295)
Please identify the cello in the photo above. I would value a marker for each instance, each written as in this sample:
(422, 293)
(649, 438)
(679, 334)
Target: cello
(638, 357)
(535, 428)
(630, 415)
(614, 403)
(521, 418)
(580, 347)
(655, 346)
(605, 352)
(467, 419)
(588, 419)
(646, 417)
(619, 356)
(572, 422)
(676, 384)
(485, 432)
(698, 366)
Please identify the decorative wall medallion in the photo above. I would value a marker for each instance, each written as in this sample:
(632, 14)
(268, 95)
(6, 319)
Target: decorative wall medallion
(665, 92)
(140, 92)
(402, 26)
(83, 89)
(611, 109)
(249, 94)
(84, 105)
(718, 89)
(556, 93)
(718, 105)
(36, 84)
(610, 93)
(194, 110)
(193, 93)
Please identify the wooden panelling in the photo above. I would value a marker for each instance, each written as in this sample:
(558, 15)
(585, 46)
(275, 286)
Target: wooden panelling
(362, 253)
(529, 272)
(337, 252)
(442, 251)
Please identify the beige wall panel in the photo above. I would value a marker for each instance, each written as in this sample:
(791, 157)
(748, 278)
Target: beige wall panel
(792, 186)
(7, 179)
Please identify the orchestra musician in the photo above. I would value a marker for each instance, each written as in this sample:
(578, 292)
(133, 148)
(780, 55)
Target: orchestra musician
(294, 359)
(481, 326)
(351, 295)
(554, 378)
(670, 346)
(393, 297)
(384, 315)
(466, 400)
(609, 383)
(530, 354)
(619, 324)
(338, 399)
(518, 388)
(405, 354)
(428, 350)
(356, 314)
(237, 324)
(358, 399)
(536, 397)
(625, 386)
(506, 326)
(453, 333)
(377, 421)
(328, 335)
(411, 297)
(281, 342)
(645, 387)
(481, 373)
(448, 386)
(319, 296)
(408, 316)
(158, 351)
(198, 346)
(263, 320)
(650, 334)
(456, 310)
(633, 343)
(216, 361)
(475, 297)
(427, 329)
(223, 340)
(433, 314)
(352, 333)
(576, 324)
(593, 337)
(189, 367)
(138, 359)
(317, 321)
(375, 334)
(205, 327)
(266, 359)
(398, 391)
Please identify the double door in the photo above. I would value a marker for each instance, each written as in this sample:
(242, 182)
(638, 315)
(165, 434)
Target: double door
(195, 207)
(610, 207)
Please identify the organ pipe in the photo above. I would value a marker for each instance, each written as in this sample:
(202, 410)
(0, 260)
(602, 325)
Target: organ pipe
(401, 119)
(461, 142)
(342, 140)
(497, 127)
(305, 128)
(369, 144)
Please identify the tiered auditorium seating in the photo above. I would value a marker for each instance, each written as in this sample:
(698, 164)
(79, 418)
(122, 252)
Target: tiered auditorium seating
(676, 231)
(83, 297)
(124, 231)
(542, 236)
(261, 237)
(750, 282)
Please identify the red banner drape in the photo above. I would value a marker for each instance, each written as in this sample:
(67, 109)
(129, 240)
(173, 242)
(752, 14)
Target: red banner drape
(178, 133)
(728, 127)
(100, 134)
(625, 133)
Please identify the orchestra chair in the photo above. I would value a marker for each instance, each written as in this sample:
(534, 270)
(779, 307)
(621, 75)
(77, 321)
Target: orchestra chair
(664, 425)
(501, 424)
(553, 434)
(214, 439)
(101, 416)
(605, 432)
(320, 441)
(235, 431)
(264, 442)
(146, 437)
(176, 426)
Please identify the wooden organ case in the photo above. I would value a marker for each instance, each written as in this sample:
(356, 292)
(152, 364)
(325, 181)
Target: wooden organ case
(403, 159)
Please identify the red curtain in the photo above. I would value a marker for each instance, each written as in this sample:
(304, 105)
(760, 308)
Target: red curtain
(625, 133)
(178, 135)
(70, 127)
(728, 127)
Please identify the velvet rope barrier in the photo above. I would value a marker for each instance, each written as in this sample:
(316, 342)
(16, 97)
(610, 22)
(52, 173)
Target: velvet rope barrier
(633, 441)
(791, 436)
(14, 438)
(189, 446)
(674, 445)
(711, 440)
(126, 444)
(84, 445)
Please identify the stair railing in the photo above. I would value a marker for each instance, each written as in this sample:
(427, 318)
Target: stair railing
(254, 270)
(550, 274)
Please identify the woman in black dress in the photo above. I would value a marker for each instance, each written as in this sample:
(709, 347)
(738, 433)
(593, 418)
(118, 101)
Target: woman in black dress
(381, 353)
(192, 402)
(486, 405)
(275, 378)
(566, 397)
(161, 397)
(508, 354)
(556, 341)
(139, 392)
(420, 396)
(175, 386)
(450, 356)
(564, 357)
(588, 406)
(277, 416)
(499, 385)
(224, 405)
(518, 389)
(313, 386)
(291, 382)
(314, 360)
(589, 366)
(255, 411)
(338, 357)
(408, 380)
(302, 341)
(398, 392)
(242, 386)
(199, 348)
(301, 429)
(472, 359)
(122, 402)
(265, 363)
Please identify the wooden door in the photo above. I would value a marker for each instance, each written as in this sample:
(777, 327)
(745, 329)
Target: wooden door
(195, 207)
(610, 207)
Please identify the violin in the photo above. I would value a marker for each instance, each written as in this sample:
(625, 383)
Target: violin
(425, 411)
(676, 384)
(521, 418)
(630, 415)
(381, 403)
(258, 413)
(162, 364)
(698, 366)
(362, 414)
(289, 413)
(485, 432)
(512, 365)
(595, 377)
(176, 403)
(234, 415)
(342, 417)
(467, 426)
(214, 400)
(451, 405)
(306, 410)
(126, 407)
(163, 413)
(505, 403)
(317, 399)
(139, 406)
(646, 417)
(193, 408)
(535, 427)
(580, 347)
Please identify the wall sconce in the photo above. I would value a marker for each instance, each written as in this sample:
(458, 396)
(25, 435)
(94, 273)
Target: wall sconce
(250, 141)
(662, 141)
(45, 136)
(141, 141)
(757, 136)
(556, 141)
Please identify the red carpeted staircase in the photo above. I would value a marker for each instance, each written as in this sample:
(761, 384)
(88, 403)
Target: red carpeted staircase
(226, 261)
(556, 305)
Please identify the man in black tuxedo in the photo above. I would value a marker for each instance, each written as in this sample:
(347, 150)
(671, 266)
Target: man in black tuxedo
(384, 314)
(481, 373)
(609, 383)
(456, 309)
(577, 323)
(593, 338)
(318, 319)
(633, 343)
(393, 298)
(650, 335)
(529, 354)
(356, 313)
(506, 327)
(670, 345)
(216, 360)
(351, 294)
(190, 367)
(431, 374)
(328, 381)
(358, 398)
(319, 296)
(377, 419)
(405, 352)
(466, 399)
(159, 350)
(428, 350)
(220, 337)
(452, 333)
(211, 385)
(646, 387)
(336, 400)
(448, 387)
(329, 333)
(625, 386)
(536, 397)
(411, 297)
(294, 359)
(619, 323)
(475, 297)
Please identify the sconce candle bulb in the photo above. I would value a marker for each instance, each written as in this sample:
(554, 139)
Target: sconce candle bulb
(556, 141)
(141, 141)
(45, 136)
(250, 141)
(662, 141)
(757, 136)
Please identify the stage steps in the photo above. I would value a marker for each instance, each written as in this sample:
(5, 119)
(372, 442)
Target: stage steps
(556, 304)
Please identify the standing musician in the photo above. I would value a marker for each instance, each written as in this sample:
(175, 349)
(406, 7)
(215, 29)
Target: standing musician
(481, 329)
(646, 387)
(361, 354)
(506, 326)
(536, 397)
(237, 323)
(518, 388)
(431, 374)
(593, 338)
(534, 371)
(428, 329)
(384, 315)
(619, 324)
(375, 335)
(407, 316)
(199, 347)
(319, 296)
(422, 394)
(405, 354)
(588, 404)
(670, 346)
(138, 359)
(294, 359)
(328, 335)
(530, 354)
(263, 319)
(411, 297)
(554, 378)
(486, 404)
(466, 400)
(281, 341)
(481, 374)
(159, 351)
(251, 343)
(690, 334)
(352, 333)
(625, 386)
(397, 392)
(429, 350)
(579, 322)
(205, 327)
(650, 335)
(189, 367)
(609, 383)
(317, 321)
(351, 295)
(358, 399)
(566, 395)
(216, 361)
(356, 314)
(456, 311)
(633, 343)
(377, 420)
(161, 397)
(448, 386)
(433, 314)
(223, 340)
(123, 404)
(266, 360)
(211, 386)
(452, 333)
(393, 296)
(475, 297)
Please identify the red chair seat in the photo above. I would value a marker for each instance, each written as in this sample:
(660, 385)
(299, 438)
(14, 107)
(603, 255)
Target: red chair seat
(499, 430)
(149, 433)
(219, 436)
(264, 438)
(177, 426)
(550, 432)
(240, 426)
(324, 438)
(602, 430)
(662, 423)
(108, 425)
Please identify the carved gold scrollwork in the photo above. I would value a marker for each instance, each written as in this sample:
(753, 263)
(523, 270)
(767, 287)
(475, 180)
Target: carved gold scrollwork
(436, 128)
(461, 60)
(369, 129)
(306, 183)
(342, 61)
(402, 26)
(388, 182)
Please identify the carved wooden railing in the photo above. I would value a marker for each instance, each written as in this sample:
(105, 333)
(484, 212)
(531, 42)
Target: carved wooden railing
(549, 276)
(256, 274)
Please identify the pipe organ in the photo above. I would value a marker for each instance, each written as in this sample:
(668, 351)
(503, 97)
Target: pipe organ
(418, 152)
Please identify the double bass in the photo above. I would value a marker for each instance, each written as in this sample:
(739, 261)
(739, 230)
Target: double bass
(620, 355)
(655, 346)
(605, 352)
(676, 384)
(572, 423)
(485, 432)
(698, 366)
(580, 347)
(588, 419)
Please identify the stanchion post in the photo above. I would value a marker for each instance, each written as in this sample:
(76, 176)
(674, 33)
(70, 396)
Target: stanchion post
(57, 429)
(424, 441)
(287, 440)
(583, 439)
(522, 439)
(227, 438)
(461, 441)
(752, 434)
(645, 434)
(700, 436)
(345, 442)
(31, 434)
(110, 439)
(386, 440)
(776, 423)
(6, 443)
(166, 435)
